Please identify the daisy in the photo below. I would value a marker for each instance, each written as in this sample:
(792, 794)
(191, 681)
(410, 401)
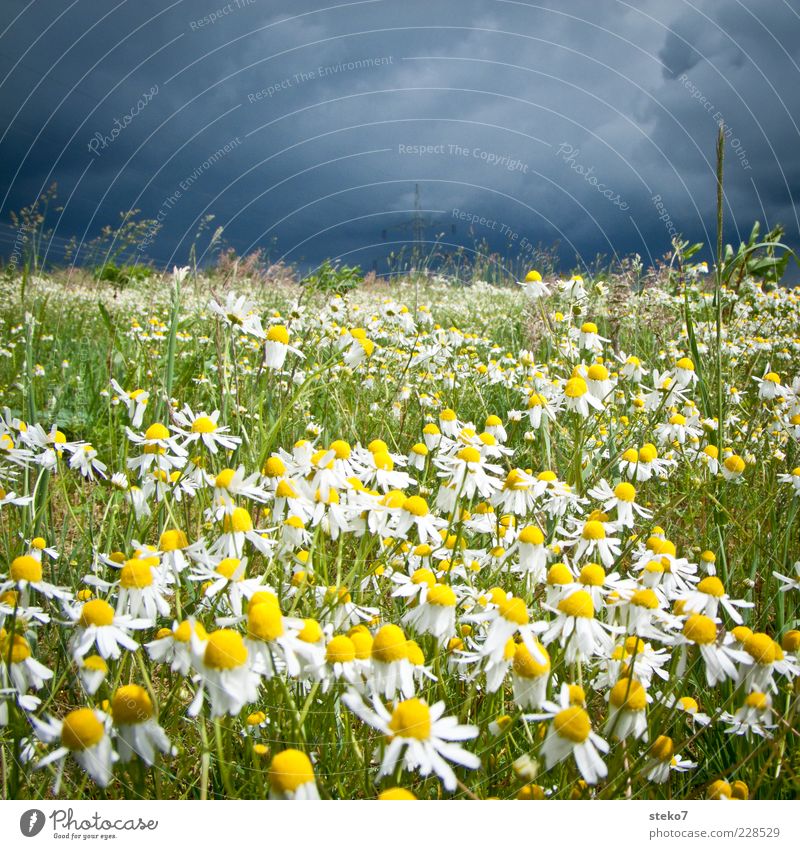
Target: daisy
(720, 658)
(662, 761)
(25, 574)
(577, 630)
(531, 554)
(621, 498)
(421, 737)
(529, 677)
(592, 539)
(570, 733)
(99, 625)
(340, 663)
(160, 450)
(517, 494)
(291, 776)
(92, 671)
(467, 472)
(276, 347)
(239, 313)
(533, 285)
(224, 667)
(138, 731)
(135, 401)
(415, 512)
(204, 428)
(84, 459)
(708, 595)
(578, 397)
(435, 614)
(390, 671)
(753, 717)
(174, 645)
(19, 673)
(83, 733)
(627, 716)
(272, 639)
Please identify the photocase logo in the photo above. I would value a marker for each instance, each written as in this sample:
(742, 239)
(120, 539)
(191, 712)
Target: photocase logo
(32, 822)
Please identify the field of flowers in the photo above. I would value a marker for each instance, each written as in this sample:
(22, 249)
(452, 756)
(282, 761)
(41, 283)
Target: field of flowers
(425, 540)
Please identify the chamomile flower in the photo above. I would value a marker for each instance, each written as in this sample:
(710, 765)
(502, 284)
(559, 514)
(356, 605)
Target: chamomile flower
(421, 737)
(138, 731)
(204, 428)
(570, 734)
(291, 776)
(98, 625)
(226, 676)
(83, 734)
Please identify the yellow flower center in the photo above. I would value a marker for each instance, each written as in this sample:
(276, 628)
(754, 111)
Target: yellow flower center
(573, 723)
(289, 770)
(576, 387)
(203, 424)
(526, 666)
(136, 574)
(593, 530)
(156, 431)
(469, 454)
(558, 575)
(645, 598)
(416, 505)
(757, 700)
(761, 648)
(734, 464)
(131, 704)
(579, 604)
(663, 748)
(711, 586)
(514, 610)
(96, 612)
(625, 492)
(597, 372)
(224, 478)
(225, 649)
(628, 694)
(396, 794)
(311, 631)
(238, 522)
(389, 644)
(278, 333)
(411, 718)
(274, 467)
(228, 566)
(172, 540)
(441, 595)
(81, 730)
(531, 535)
(340, 650)
(700, 629)
(592, 575)
(26, 568)
(265, 622)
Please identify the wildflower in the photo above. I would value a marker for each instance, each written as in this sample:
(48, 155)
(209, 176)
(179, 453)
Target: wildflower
(137, 728)
(83, 733)
(570, 734)
(223, 664)
(204, 428)
(291, 776)
(421, 737)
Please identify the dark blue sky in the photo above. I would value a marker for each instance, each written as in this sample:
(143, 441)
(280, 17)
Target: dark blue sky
(306, 125)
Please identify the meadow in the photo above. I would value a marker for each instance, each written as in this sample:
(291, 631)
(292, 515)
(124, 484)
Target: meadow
(426, 538)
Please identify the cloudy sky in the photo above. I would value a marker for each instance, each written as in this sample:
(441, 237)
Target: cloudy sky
(306, 126)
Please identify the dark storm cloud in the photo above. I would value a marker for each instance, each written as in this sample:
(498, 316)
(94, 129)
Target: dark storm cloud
(306, 126)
